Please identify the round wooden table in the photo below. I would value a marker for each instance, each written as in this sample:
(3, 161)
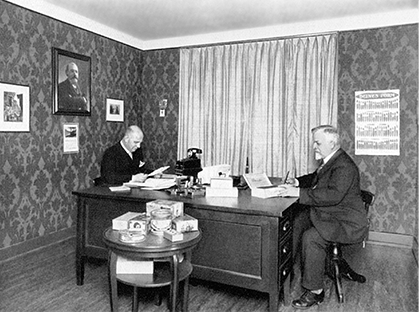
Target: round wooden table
(153, 247)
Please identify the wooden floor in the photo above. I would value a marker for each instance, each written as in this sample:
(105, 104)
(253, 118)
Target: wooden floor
(45, 281)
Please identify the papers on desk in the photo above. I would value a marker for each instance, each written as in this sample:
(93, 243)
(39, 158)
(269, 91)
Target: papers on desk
(121, 188)
(158, 171)
(152, 184)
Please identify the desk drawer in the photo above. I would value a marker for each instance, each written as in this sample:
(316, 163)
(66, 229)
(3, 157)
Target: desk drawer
(285, 247)
(285, 270)
(285, 226)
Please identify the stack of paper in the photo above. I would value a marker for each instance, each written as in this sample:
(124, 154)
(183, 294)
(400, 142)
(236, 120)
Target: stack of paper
(128, 266)
(221, 187)
(121, 188)
(152, 184)
(158, 171)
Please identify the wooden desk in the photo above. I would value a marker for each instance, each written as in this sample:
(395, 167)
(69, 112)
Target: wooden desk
(154, 247)
(246, 241)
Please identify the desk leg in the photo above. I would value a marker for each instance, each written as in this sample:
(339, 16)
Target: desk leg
(113, 285)
(175, 282)
(80, 238)
(286, 290)
(273, 301)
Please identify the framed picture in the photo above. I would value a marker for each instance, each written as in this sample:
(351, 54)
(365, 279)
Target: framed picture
(14, 107)
(71, 138)
(71, 74)
(114, 110)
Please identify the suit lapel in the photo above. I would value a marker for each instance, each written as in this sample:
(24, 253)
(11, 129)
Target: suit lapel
(321, 171)
(330, 162)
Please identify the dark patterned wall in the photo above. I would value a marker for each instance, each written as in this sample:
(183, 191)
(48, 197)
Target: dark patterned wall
(380, 59)
(160, 80)
(36, 178)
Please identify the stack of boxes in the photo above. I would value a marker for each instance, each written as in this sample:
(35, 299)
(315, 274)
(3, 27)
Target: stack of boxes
(134, 226)
(221, 187)
(154, 221)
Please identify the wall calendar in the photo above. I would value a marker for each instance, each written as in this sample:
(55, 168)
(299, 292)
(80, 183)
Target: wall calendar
(377, 122)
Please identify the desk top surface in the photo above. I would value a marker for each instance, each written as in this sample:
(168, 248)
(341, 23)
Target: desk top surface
(244, 203)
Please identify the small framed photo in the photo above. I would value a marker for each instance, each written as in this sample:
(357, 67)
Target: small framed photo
(71, 83)
(114, 110)
(71, 138)
(14, 108)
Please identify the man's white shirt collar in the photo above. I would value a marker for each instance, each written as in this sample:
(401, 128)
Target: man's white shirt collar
(327, 158)
(128, 152)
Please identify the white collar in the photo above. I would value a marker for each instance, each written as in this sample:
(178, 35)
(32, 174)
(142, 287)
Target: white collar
(128, 152)
(327, 158)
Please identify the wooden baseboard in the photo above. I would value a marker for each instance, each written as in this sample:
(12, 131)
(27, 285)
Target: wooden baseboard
(415, 249)
(390, 239)
(36, 243)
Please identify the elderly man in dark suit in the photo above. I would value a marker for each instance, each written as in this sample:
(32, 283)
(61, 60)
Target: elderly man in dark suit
(334, 210)
(70, 96)
(123, 161)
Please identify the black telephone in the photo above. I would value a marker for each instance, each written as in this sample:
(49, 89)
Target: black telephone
(191, 165)
(192, 151)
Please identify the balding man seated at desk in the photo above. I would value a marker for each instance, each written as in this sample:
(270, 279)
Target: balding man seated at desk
(123, 161)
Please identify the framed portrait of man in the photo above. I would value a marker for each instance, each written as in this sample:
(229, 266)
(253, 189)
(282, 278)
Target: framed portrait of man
(71, 83)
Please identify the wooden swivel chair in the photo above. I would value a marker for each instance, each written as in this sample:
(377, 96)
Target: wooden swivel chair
(338, 263)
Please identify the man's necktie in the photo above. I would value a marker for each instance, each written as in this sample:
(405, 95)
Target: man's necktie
(316, 178)
(321, 166)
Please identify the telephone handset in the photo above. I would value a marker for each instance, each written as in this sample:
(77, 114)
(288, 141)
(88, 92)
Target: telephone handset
(192, 151)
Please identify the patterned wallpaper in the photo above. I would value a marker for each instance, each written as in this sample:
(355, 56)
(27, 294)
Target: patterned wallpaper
(160, 80)
(380, 59)
(36, 177)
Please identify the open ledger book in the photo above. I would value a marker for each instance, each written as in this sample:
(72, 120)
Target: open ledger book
(261, 186)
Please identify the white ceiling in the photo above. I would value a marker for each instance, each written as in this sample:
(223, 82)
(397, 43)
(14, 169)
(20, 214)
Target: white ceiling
(152, 24)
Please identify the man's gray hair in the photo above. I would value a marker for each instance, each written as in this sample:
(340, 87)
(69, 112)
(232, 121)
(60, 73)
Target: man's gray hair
(331, 130)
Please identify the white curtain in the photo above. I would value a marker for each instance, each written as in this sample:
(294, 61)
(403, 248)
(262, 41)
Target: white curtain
(257, 101)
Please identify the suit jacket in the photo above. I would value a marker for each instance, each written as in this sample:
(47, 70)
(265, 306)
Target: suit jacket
(70, 98)
(118, 167)
(334, 195)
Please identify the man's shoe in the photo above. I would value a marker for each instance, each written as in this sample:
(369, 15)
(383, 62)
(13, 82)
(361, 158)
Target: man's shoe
(347, 273)
(353, 276)
(308, 299)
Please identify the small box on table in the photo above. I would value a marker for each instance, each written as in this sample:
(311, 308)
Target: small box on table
(174, 206)
(140, 223)
(122, 222)
(172, 235)
(185, 223)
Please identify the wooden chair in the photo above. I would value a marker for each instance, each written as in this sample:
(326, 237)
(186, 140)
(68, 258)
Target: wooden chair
(338, 263)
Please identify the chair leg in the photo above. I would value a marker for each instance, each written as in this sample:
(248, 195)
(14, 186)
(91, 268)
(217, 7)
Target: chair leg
(338, 282)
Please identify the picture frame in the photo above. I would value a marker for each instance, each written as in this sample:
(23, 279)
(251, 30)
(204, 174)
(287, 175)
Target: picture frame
(14, 107)
(114, 110)
(71, 92)
(70, 138)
